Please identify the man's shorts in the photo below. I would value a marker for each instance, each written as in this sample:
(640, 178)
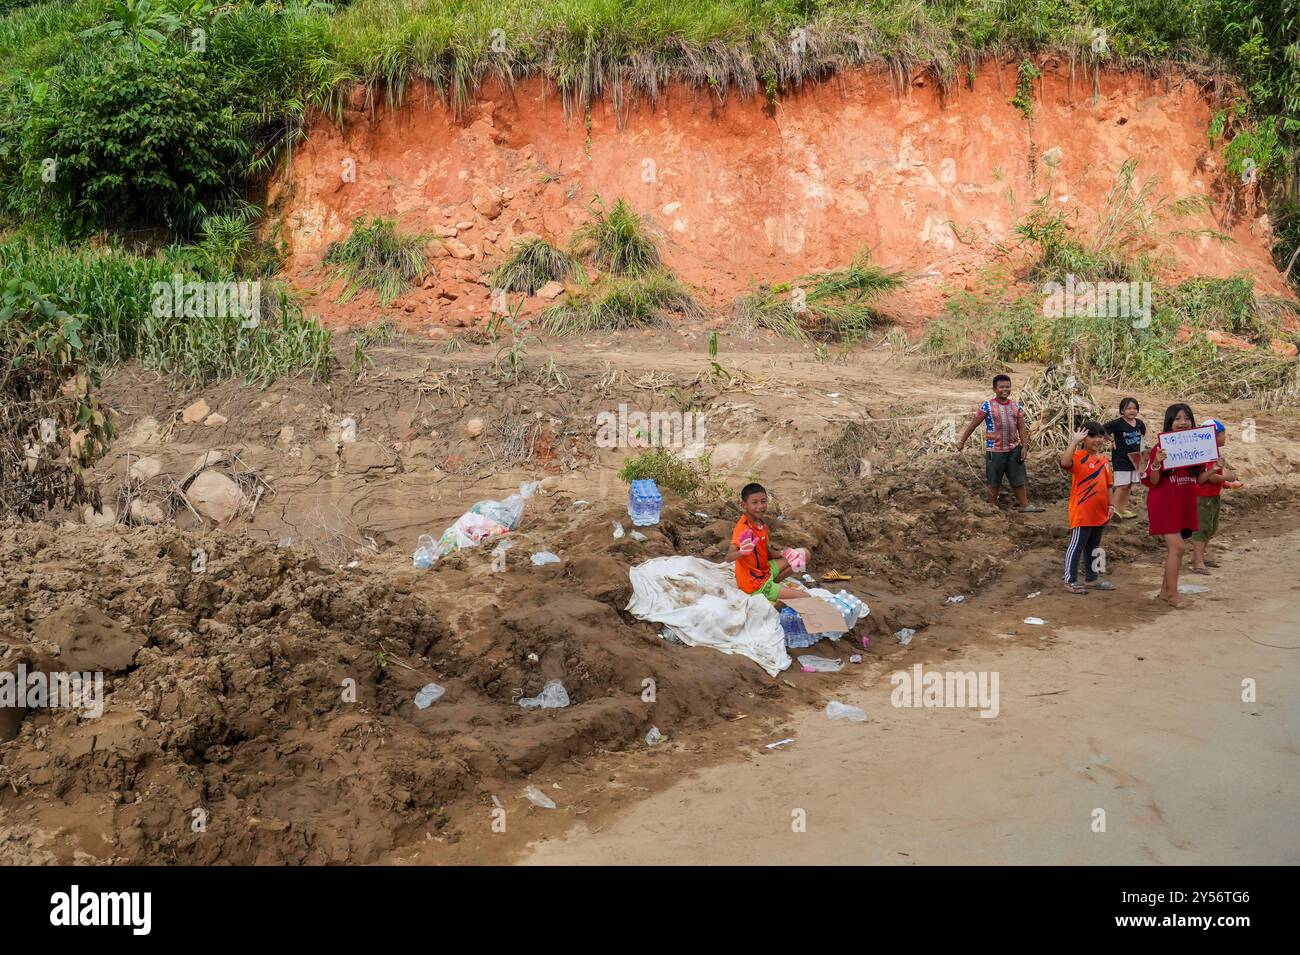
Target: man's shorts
(1000, 464)
(1123, 478)
(1207, 515)
(770, 588)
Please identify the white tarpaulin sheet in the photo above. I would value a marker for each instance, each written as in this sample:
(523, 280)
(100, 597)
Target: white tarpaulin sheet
(703, 605)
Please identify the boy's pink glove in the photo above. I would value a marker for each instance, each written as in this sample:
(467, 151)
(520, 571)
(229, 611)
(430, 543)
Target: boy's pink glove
(796, 557)
(747, 543)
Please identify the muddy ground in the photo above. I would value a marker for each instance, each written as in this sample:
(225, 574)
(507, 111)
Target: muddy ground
(262, 709)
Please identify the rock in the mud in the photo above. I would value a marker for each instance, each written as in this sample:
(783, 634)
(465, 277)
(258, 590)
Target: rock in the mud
(214, 419)
(146, 512)
(196, 412)
(215, 496)
(550, 483)
(145, 468)
(550, 291)
(88, 639)
(487, 204)
(458, 249)
(1053, 157)
(106, 517)
(445, 231)
(287, 435)
(145, 431)
(437, 249)
(474, 427)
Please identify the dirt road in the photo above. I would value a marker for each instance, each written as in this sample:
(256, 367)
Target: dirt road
(1146, 723)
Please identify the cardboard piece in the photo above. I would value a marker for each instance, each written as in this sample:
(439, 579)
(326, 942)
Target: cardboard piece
(1185, 448)
(818, 616)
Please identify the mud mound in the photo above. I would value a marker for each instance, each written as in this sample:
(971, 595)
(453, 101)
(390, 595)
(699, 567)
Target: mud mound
(229, 730)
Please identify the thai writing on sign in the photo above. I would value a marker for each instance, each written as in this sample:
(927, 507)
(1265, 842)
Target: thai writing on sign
(1193, 446)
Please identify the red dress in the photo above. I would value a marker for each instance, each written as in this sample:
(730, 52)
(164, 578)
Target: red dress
(1171, 504)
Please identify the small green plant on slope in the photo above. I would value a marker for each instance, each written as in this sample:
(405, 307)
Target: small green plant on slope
(618, 240)
(531, 264)
(376, 256)
(616, 303)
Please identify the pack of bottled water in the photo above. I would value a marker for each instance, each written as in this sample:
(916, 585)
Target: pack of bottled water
(644, 502)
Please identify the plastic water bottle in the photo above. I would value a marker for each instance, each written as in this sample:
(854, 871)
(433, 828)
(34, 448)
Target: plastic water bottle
(796, 634)
(644, 503)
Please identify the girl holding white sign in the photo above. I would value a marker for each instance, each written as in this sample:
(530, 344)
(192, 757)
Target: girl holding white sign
(1171, 503)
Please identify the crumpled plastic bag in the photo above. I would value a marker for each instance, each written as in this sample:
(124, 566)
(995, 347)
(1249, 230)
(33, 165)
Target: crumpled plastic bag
(507, 513)
(553, 696)
(483, 521)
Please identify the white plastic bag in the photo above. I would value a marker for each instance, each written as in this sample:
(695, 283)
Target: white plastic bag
(835, 710)
(508, 513)
(553, 696)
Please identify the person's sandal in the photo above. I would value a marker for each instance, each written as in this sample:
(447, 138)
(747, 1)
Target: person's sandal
(1100, 585)
(1128, 515)
(1031, 509)
(1201, 570)
(1074, 588)
(1211, 563)
(1178, 603)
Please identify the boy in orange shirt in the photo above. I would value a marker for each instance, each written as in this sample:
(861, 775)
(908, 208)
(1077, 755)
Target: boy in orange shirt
(755, 571)
(1089, 506)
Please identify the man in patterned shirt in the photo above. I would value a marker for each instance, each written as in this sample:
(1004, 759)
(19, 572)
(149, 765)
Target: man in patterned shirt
(1004, 443)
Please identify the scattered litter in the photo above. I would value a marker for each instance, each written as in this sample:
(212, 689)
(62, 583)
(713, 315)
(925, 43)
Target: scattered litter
(499, 556)
(285, 543)
(552, 697)
(738, 718)
(638, 537)
(669, 634)
(581, 503)
(835, 710)
(866, 643)
(1033, 595)
(1036, 621)
(544, 557)
(483, 520)
(855, 658)
(702, 514)
(780, 742)
(833, 394)
(1193, 589)
(431, 693)
(538, 798)
(353, 563)
(815, 664)
(809, 579)
(532, 658)
(956, 600)
(618, 529)
(654, 736)
(905, 635)
(425, 552)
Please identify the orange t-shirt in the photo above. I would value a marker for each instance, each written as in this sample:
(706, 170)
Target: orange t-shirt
(751, 569)
(1090, 489)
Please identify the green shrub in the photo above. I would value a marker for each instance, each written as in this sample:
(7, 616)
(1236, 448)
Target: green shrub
(135, 138)
(688, 478)
(376, 256)
(835, 304)
(617, 303)
(531, 264)
(618, 240)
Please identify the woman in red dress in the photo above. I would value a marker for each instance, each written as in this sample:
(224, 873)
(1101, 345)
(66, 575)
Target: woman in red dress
(1171, 503)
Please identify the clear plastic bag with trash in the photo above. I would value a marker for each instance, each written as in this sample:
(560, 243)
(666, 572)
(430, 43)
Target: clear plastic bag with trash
(654, 736)
(545, 557)
(507, 513)
(552, 697)
(483, 521)
(835, 710)
(905, 635)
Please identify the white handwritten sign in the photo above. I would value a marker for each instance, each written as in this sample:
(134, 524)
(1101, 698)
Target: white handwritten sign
(1193, 446)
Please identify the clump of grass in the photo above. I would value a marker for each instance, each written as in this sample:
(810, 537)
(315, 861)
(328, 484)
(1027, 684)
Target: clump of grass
(116, 292)
(376, 256)
(531, 264)
(619, 240)
(617, 303)
(834, 304)
(688, 478)
(982, 333)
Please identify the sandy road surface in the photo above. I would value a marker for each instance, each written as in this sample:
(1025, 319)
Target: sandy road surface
(1145, 722)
